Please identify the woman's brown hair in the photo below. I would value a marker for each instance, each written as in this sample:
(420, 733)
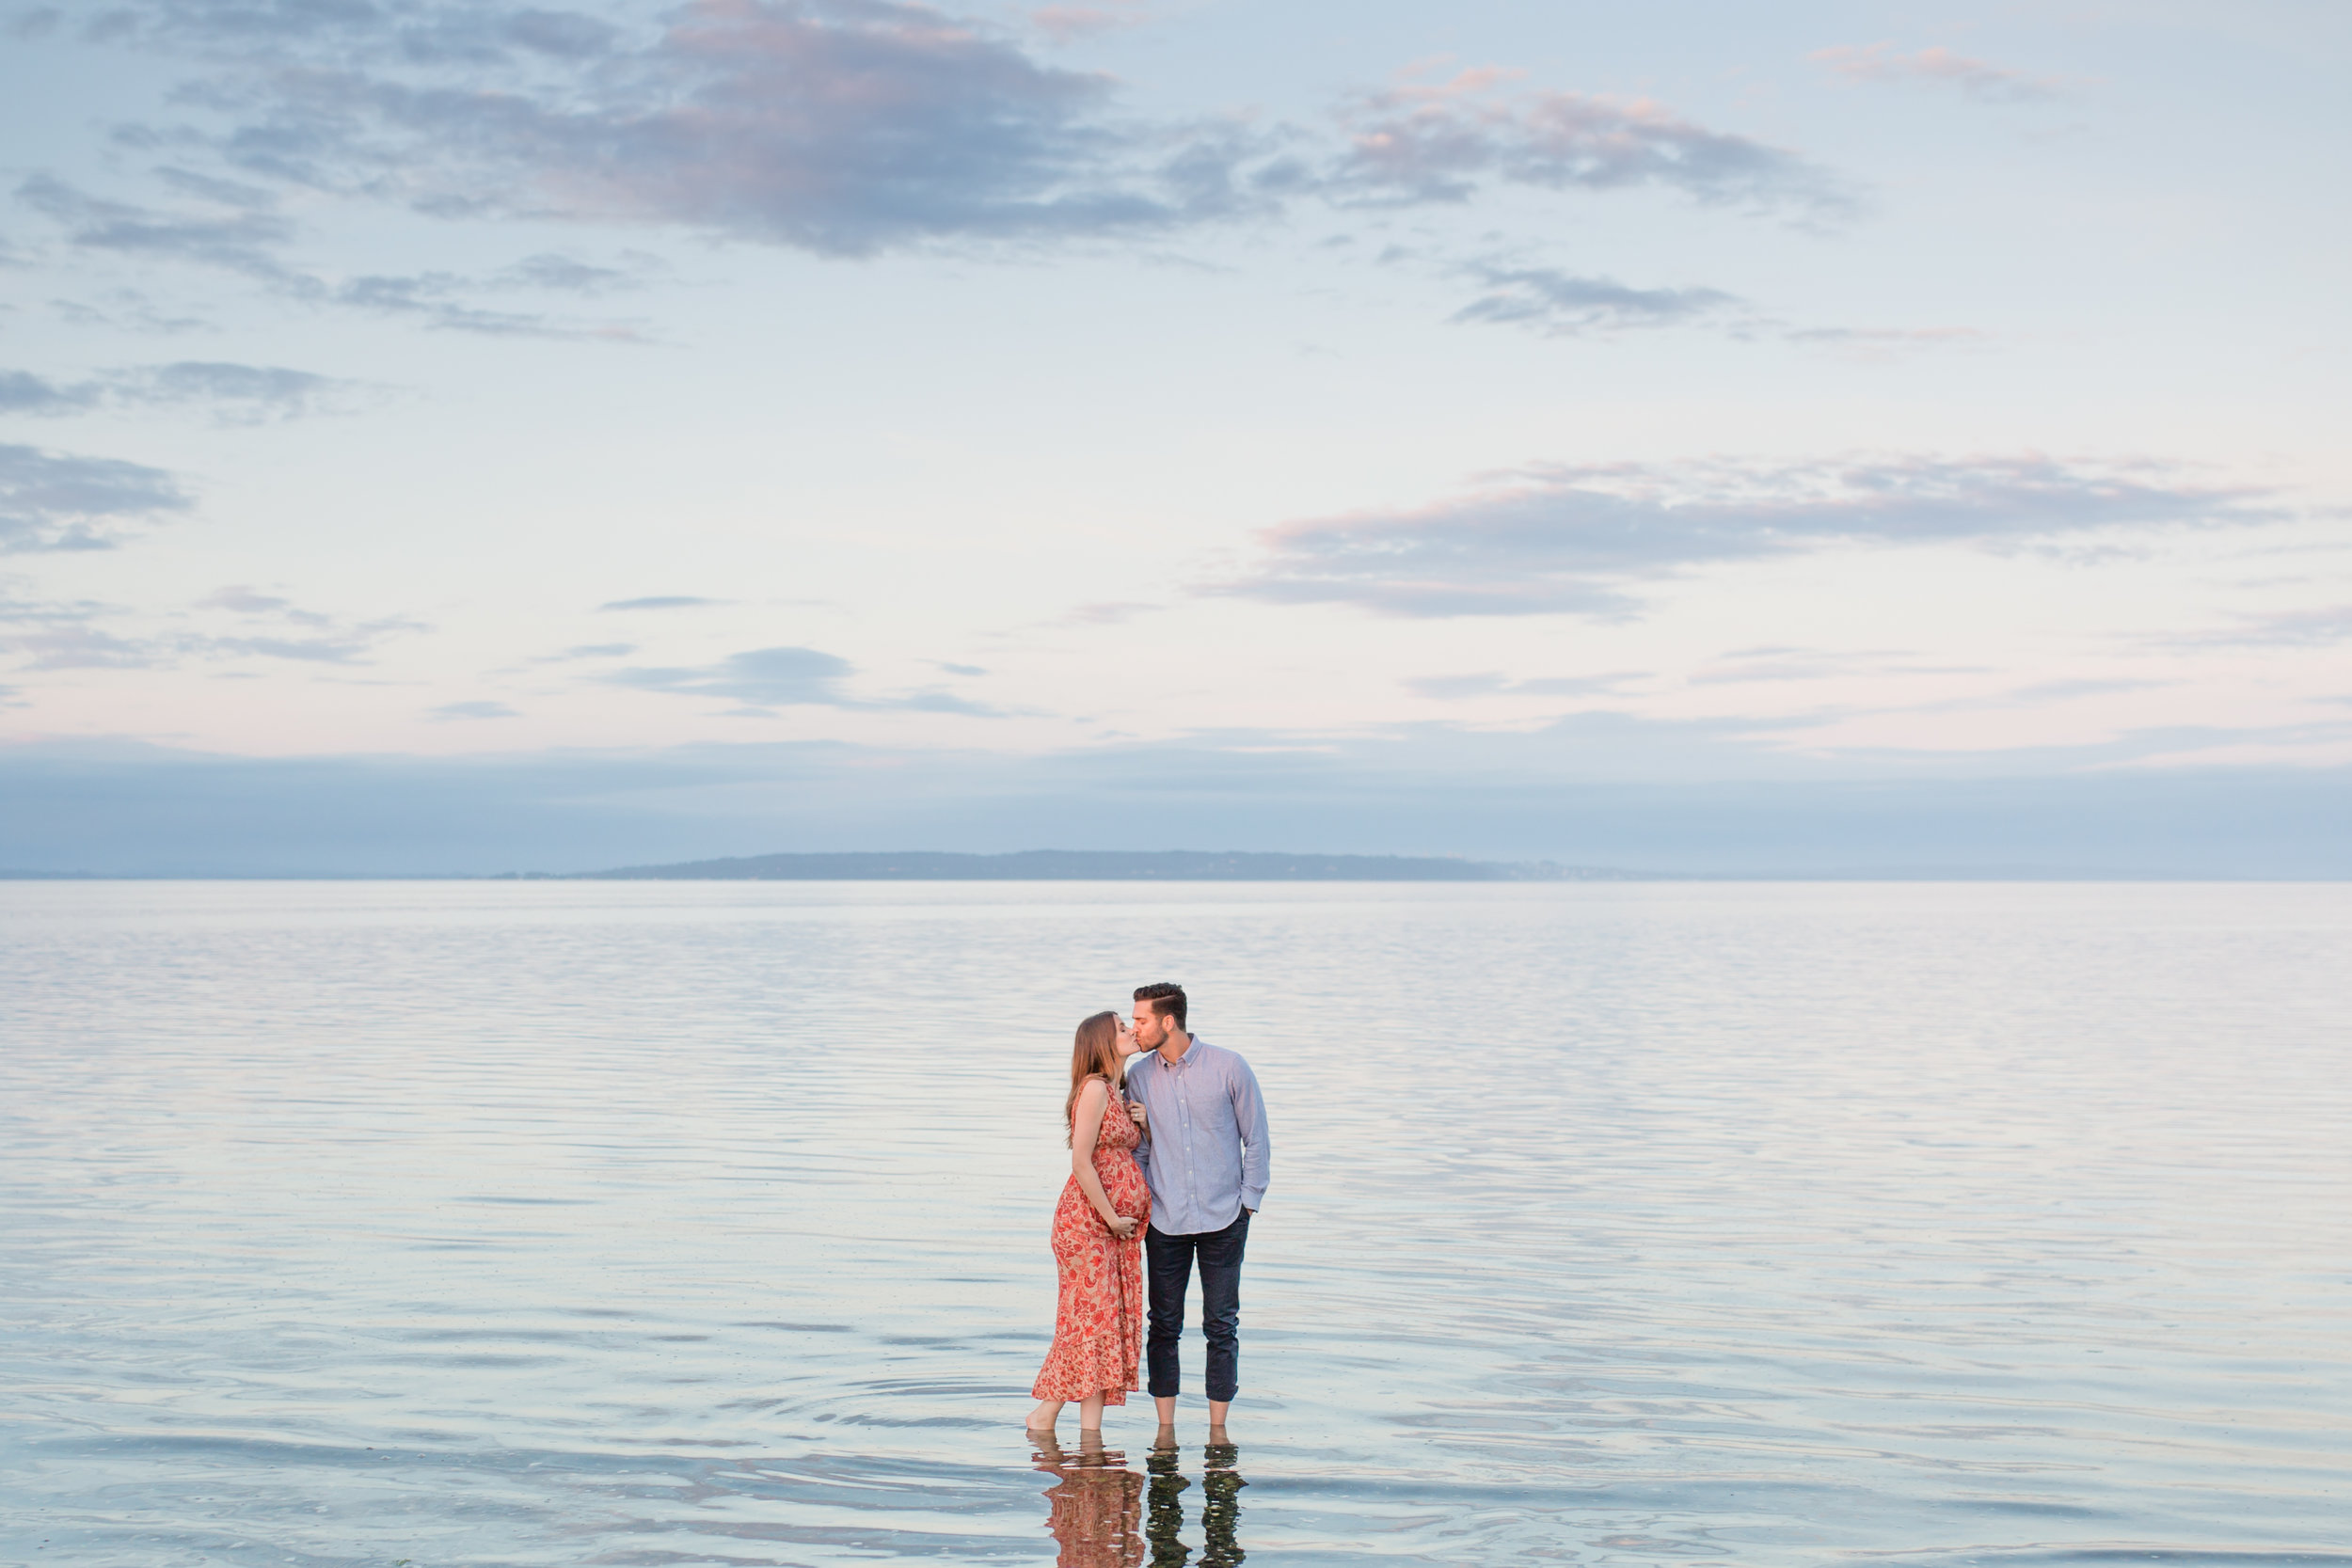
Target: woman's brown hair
(1095, 1054)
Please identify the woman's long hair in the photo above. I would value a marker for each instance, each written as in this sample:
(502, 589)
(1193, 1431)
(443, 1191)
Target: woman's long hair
(1095, 1054)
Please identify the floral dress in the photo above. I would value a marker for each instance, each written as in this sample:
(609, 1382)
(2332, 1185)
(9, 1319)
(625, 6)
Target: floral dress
(1097, 1322)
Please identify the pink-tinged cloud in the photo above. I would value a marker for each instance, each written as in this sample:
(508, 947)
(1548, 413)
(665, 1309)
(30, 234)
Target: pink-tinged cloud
(839, 126)
(844, 127)
(1068, 23)
(1879, 62)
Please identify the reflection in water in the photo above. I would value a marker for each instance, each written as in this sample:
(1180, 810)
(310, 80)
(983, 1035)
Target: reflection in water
(1220, 1511)
(1220, 1506)
(1096, 1505)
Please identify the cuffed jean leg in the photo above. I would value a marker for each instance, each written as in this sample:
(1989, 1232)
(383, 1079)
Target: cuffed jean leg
(1220, 1306)
(1169, 1261)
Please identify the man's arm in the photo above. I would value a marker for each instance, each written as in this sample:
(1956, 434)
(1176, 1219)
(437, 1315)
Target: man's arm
(1249, 1116)
(1143, 1149)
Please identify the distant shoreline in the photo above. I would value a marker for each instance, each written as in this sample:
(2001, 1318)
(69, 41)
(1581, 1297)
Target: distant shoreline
(1171, 865)
(1106, 865)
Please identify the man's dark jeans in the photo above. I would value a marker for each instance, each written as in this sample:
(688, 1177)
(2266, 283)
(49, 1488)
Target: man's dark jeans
(1169, 1261)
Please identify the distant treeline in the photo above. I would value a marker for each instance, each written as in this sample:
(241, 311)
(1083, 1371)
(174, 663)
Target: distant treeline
(1109, 865)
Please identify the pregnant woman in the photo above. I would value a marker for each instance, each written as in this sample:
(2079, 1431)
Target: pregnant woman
(1098, 1325)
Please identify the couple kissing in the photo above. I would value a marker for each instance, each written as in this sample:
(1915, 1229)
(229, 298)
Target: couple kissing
(1168, 1159)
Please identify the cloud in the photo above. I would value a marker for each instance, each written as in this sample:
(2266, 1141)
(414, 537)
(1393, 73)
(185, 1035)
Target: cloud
(842, 127)
(232, 394)
(1779, 665)
(1446, 689)
(663, 601)
(79, 647)
(473, 710)
(59, 501)
(349, 647)
(1110, 612)
(129, 311)
(95, 648)
(936, 701)
(300, 31)
(22, 393)
(1981, 79)
(61, 635)
(2320, 628)
(763, 677)
(270, 391)
(437, 299)
(314, 638)
(2067, 690)
(1445, 141)
(241, 233)
(47, 611)
(241, 239)
(1568, 538)
(569, 274)
(1068, 23)
(241, 600)
(65, 635)
(1562, 304)
(839, 126)
(1879, 345)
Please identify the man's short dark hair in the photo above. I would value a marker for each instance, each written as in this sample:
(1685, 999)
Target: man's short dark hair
(1167, 999)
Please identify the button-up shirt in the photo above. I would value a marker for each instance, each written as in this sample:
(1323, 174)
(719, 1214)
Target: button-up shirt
(1204, 1151)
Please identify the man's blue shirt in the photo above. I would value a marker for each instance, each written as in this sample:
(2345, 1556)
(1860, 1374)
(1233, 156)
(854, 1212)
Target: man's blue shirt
(1205, 1154)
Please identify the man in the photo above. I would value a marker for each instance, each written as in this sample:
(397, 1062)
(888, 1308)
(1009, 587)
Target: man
(1205, 1156)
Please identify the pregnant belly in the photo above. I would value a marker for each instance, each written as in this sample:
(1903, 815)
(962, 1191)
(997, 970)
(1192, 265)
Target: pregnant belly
(1124, 1185)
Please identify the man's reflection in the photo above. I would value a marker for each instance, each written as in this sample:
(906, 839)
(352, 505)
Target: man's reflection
(1220, 1504)
(1163, 1519)
(1095, 1506)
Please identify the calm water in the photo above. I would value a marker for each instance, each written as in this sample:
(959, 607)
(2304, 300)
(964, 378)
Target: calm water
(483, 1224)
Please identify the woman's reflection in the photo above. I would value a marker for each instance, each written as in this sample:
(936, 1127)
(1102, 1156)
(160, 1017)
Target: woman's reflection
(1096, 1505)
(1220, 1507)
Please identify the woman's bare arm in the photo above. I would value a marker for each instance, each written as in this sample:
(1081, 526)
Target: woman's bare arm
(1084, 1128)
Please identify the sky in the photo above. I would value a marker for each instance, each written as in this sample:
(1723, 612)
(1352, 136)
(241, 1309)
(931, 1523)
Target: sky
(1848, 437)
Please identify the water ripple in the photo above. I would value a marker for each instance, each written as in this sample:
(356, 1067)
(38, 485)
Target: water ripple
(703, 1223)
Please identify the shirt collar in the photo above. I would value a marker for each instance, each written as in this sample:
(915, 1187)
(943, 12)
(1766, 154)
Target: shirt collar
(1191, 1045)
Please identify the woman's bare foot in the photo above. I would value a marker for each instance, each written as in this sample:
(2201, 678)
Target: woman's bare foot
(1041, 1419)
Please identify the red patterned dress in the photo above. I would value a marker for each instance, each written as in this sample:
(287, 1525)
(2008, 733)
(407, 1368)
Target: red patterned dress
(1098, 1323)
